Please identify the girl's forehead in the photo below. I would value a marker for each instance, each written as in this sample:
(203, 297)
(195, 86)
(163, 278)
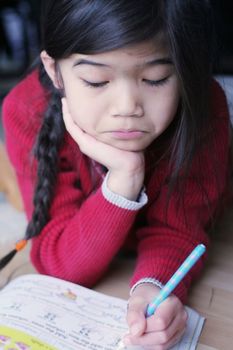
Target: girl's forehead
(134, 55)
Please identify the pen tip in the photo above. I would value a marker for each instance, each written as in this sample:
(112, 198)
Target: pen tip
(121, 346)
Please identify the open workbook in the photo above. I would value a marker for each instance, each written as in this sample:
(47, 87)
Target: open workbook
(39, 312)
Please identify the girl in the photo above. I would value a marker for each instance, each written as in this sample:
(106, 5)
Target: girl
(131, 147)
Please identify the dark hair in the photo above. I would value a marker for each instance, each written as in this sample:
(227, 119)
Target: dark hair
(93, 26)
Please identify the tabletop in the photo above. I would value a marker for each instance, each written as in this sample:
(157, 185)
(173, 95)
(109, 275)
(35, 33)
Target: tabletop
(211, 296)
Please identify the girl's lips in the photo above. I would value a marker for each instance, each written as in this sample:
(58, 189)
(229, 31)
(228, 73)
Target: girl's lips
(127, 134)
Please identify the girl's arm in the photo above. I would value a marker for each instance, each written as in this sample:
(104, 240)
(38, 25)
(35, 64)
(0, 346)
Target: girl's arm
(84, 233)
(172, 234)
(169, 238)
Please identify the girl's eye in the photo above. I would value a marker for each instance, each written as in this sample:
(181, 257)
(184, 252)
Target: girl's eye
(156, 82)
(95, 84)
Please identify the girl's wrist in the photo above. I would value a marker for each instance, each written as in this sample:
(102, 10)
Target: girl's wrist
(126, 185)
(121, 201)
(147, 280)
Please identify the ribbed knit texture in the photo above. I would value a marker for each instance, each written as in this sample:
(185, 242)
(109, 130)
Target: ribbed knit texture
(86, 230)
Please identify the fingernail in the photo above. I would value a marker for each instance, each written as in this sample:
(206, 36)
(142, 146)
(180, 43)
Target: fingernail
(135, 328)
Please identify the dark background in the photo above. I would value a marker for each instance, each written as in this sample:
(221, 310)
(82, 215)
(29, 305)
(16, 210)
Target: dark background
(223, 12)
(20, 38)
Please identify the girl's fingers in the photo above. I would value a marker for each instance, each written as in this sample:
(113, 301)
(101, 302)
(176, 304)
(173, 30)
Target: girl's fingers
(162, 329)
(136, 316)
(163, 338)
(88, 145)
(165, 314)
(177, 337)
(74, 130)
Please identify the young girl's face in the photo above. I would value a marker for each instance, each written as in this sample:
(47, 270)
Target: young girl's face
(126, 97)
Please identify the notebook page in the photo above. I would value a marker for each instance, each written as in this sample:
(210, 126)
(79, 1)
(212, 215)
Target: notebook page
(58, 315)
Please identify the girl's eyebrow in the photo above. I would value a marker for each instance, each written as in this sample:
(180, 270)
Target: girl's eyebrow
(88, 62)
(155, 62)
(158, 61)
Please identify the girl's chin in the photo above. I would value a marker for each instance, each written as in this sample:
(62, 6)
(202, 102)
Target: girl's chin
(128, 146)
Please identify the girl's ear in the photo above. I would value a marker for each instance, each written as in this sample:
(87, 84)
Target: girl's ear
(50, 67)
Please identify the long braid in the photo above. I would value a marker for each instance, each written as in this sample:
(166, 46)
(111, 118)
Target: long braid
(46, 152)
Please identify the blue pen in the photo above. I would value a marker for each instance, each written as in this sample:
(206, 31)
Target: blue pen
(176, 278)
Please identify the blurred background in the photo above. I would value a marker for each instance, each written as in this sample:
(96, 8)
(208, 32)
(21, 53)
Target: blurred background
(20, 39)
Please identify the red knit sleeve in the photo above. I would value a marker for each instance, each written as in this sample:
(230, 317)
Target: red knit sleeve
(84, 232)
(170, 235)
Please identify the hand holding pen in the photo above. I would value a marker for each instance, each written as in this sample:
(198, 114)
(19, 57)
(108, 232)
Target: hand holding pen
(169, 325)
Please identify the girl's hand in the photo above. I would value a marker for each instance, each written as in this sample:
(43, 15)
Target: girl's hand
(126, 169)
(160, 331)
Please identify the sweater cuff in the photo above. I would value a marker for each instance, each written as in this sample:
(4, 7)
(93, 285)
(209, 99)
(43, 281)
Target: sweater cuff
(121, 201)
(146, 280)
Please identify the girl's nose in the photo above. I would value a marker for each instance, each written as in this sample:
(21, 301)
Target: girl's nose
(127, 103)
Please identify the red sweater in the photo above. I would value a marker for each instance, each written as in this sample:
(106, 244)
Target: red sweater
(86, 231)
